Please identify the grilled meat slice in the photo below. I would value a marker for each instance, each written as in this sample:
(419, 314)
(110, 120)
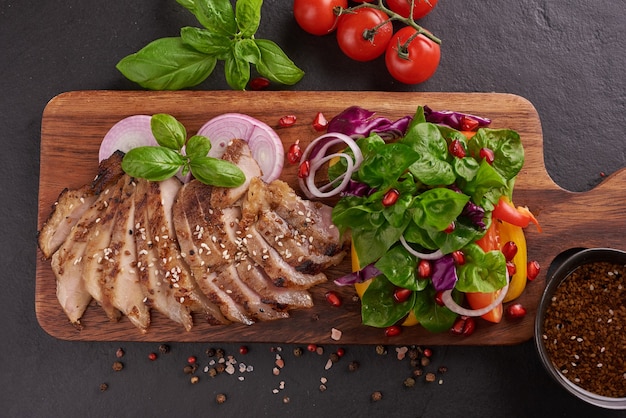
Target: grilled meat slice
(293, 247)
(311, 220)
(238, 153)
(154, 256)
(98, 252)
(192, 246)
(72, 204)
(120, 282)
(283, 297)
(280, 271)
(67, 262)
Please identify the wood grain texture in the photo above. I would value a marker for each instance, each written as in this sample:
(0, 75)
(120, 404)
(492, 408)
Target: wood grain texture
(74, 123)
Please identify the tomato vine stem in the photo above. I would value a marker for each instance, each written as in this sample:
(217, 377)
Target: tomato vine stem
(409, 21)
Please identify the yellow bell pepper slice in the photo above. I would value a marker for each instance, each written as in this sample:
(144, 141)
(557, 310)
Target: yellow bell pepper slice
(510, 232)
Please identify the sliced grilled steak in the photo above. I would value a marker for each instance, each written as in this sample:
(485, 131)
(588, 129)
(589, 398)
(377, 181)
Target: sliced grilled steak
(120, 282)
(150, 221)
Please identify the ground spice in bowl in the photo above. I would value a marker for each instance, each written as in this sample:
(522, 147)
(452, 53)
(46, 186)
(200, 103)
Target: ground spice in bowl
(581, 327)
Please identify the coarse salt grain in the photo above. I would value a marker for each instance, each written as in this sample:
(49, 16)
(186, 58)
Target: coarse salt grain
(335, 334)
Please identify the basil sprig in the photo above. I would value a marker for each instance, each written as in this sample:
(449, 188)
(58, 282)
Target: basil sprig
(227, 35)
(156, 163)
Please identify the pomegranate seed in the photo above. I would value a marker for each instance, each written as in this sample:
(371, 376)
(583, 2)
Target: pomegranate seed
(304, 170)
(333, 298)
(424, 269)
(450, 228)
(191, 359)
(533, 269)
(515, 311)
(459, 257)
(401, 294)
(427, 352)
(468, 124)
(509, 250)
(456, 149)
(259, 83)
(287, 121)
(312, 348)
(294, 153)
(487, 154)
(464, 325)
(510, 267)
(243, 349)
(341, 352)
(390, 197)
(152, 356)
(393, 330)
(439, 298)
(320, 123)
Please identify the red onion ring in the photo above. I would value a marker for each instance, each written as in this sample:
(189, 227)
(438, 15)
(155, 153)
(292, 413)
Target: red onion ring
(447, 299)
(424, 256)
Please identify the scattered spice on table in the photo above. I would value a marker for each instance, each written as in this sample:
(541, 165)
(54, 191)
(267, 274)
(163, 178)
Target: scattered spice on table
(584, 328)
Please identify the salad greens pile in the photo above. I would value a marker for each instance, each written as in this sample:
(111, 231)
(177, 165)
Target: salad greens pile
(227, 34)
(444, 203)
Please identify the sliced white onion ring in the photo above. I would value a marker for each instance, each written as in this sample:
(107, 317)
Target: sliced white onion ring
(424, 256)
(447, 299)
(308, 186)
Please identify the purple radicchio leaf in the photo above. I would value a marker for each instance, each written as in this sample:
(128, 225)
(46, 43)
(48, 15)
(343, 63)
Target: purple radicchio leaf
(444, 273)
(475, 213)
(360, 276)
(358, 122)
(452, 119)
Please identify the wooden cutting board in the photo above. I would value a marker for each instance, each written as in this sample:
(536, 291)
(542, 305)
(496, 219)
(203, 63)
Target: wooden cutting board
(74, 123)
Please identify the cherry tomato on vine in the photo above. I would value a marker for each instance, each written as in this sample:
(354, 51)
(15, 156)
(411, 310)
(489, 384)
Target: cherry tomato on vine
(414, 62)
(317, 17)
(364, 34)
(403, 7)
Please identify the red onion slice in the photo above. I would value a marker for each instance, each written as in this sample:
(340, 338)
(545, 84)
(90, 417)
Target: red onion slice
(265, 144)
(446, 296)
(328, 140)
(424, 256)
(128, 133)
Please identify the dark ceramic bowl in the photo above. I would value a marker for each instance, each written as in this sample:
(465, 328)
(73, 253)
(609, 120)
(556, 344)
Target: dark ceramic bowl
(561, 273)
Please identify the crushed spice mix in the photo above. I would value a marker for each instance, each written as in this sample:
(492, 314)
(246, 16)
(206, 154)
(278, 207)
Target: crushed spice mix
(585, 328)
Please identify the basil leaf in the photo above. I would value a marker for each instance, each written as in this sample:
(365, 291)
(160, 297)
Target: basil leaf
(152, 163)
(205, 41)
(217, 16)
(216, 172)
(248, 16)
(167, 64)
(197, 146)
(247, 50)
(378, 308)
(167, 131)
(237, 70)
(275, 65)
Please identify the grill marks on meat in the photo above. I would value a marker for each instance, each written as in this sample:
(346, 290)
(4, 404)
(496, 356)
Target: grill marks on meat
(244, 255)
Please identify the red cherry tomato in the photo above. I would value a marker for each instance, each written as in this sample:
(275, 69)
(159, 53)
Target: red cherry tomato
(360, 35)
(317, 17)
(414, 62)
(403, 7)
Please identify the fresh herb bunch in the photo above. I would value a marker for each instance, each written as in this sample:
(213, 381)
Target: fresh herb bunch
(161, 162)
(176, 63)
